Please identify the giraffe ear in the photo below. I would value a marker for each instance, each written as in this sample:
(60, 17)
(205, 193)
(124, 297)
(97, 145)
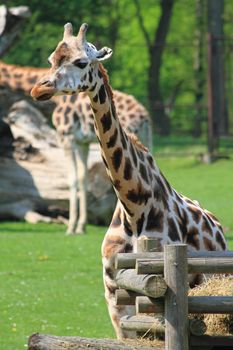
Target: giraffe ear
(103, 54)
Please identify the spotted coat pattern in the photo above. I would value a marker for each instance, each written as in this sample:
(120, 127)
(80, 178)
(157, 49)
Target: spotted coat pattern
(74, 123)
(147, 203)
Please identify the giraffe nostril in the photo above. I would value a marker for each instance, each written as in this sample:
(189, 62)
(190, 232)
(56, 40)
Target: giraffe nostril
(46, 83)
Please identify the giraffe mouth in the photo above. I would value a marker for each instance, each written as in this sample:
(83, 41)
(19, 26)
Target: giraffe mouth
(42, 93)
(44, 97)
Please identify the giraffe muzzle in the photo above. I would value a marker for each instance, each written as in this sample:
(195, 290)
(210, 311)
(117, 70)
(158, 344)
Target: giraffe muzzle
(43, 92)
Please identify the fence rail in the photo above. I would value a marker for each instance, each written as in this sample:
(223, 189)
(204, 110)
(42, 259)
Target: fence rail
(157, 283)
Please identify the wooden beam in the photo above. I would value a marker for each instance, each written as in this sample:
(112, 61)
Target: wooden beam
(145, 324)
(51, 342)
(195, 265)
(208, 342)
(128, 260)
(125, 297)
(196, 305)
(150, 285)
(176, 300)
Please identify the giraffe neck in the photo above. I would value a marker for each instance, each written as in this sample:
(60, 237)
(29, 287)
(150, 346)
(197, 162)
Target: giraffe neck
(129, 165)
(20, 78)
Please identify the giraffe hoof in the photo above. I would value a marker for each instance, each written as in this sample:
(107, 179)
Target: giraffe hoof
(70, 232)
(80, 230)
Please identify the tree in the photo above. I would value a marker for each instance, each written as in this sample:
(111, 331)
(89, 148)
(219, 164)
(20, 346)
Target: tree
(155, 49)
(216, 62)
(199, 68)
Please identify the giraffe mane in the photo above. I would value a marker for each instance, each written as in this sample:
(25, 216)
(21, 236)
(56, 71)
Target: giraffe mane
(136, 142)
(104, 73)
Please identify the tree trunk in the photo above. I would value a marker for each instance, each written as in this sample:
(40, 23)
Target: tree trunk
(11, 21)
(50, 342)
(215, 29)
(156, 102)
(33, 175)
(155, 50)
(199, 69)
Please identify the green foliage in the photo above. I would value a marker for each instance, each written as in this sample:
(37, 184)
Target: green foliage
(114, 23)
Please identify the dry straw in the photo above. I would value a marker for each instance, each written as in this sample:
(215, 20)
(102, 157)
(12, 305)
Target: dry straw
(217, 324)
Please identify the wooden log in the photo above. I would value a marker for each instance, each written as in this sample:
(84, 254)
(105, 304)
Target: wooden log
(210, 304)
(51, 342)
(150, 285)
(125, 297)
(144, 324)
(211, 265)
(31, 161)
(176, 300)
(210, 342)
(195, 265)
(197, 327)
(128, 260)
(148, 244)
(146, 305)
(149, 265)
(196, 305)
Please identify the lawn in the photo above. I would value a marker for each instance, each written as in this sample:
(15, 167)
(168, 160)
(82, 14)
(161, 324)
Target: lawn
(52, 283)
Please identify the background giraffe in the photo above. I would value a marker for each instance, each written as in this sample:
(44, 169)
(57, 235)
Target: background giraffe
(147, 204)
(74, 123)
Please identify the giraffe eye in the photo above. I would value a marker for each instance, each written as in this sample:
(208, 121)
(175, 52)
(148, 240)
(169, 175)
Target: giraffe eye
(80, 64)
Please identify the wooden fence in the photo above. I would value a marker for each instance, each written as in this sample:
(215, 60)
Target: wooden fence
(157, 283)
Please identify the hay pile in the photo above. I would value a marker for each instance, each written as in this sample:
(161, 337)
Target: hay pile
(216, 286)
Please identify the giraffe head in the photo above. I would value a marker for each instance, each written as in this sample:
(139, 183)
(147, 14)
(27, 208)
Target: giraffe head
(72, 65)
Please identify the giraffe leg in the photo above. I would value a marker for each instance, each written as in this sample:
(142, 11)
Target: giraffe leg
(82, 154)
(113, 244)
(73, 205)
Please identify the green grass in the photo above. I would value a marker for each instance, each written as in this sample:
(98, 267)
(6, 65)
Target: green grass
(51, 283)
(187, 145)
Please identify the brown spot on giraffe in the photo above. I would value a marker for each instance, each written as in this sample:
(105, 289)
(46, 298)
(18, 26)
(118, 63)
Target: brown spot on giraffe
(102, 94)
(193, 238)
(117, 158)
(128, 169)
(206, 225)
(220, 240)
(113, 244)
(155, 220)
(112, 139)
(140, 223)
(143, 172)
(106, 122)
(138, 195)
(127, 226)
(208, 244)
(173, 232)
(196, 213)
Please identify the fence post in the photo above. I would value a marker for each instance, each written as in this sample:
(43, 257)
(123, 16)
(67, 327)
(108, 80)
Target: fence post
(147, 244)
(176, 297)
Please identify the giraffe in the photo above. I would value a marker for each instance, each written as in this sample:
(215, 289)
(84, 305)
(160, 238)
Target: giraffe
(74, 123)
(147, 204)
